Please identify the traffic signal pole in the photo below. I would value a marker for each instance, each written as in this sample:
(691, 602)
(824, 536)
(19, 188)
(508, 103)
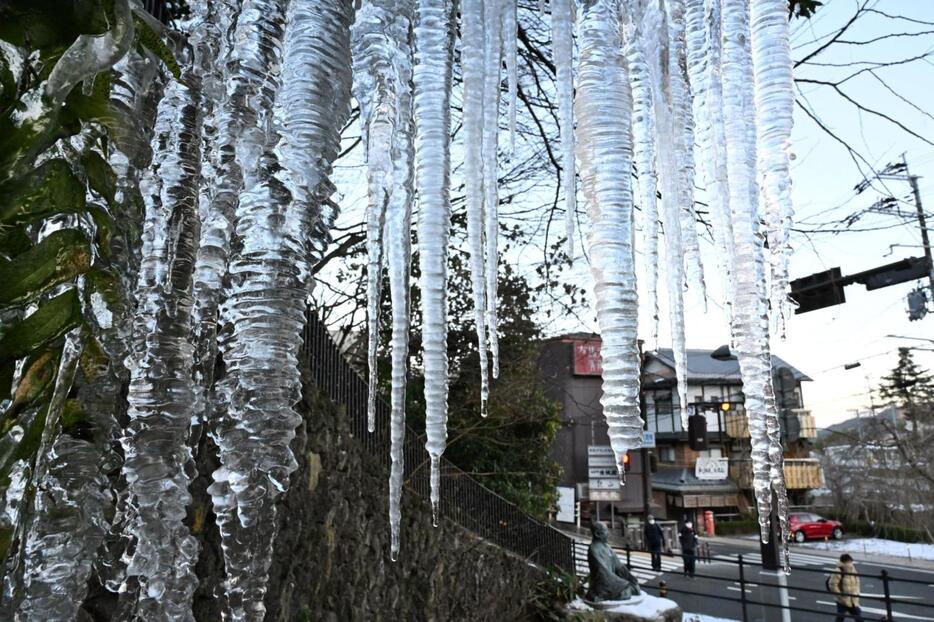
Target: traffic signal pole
(922, 223)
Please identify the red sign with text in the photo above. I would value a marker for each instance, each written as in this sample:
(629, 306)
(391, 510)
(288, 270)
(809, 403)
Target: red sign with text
(587, 360)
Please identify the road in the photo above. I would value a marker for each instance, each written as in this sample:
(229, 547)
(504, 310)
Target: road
(715, 590)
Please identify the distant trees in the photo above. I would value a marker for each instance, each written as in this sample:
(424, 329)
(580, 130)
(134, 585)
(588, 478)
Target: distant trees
(882, 470)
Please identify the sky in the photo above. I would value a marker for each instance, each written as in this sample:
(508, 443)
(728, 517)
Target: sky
(821, 342)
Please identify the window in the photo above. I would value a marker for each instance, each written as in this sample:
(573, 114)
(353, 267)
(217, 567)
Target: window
(711, 453)
(666, 454)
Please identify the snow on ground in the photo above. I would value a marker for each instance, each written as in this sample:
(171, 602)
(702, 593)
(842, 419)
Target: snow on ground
(876, 546)
(699, 617)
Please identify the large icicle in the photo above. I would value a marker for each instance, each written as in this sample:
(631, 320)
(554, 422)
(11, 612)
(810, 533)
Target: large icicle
(383, 86)
(680, 102)
(668, 166)
(263, 311)
(160, 392)
(703, 55)
(642, 38)
(604, 146)
(774, 96)
(434, 32)
(750, 310)
(221, 180)
(562, 27)
(492, 61)
(472, 67)
(774, 99)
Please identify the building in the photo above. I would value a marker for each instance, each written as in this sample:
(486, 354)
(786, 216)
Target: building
(670, 480)
(719, 478)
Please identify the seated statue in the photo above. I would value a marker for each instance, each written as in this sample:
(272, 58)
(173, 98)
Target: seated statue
(610, 579)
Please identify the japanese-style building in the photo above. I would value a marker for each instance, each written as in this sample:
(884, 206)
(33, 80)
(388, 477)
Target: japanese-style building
(681, 482)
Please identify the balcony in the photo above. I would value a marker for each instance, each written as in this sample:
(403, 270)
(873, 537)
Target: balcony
(800, 474)
(797, 424)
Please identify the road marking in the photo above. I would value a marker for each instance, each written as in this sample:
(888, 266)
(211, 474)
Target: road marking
(893, 596)
(895, 614)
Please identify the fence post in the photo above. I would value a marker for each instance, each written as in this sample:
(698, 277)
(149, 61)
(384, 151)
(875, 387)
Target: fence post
(742, 586)
(628, 560)
(888, 597)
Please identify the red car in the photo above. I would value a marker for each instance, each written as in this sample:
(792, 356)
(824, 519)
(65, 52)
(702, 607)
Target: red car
(805, 526)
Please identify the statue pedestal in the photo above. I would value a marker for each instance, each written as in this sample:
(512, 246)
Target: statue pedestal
(640, 608)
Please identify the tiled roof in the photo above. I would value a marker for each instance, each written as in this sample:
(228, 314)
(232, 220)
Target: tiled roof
(681, 479)
(702, 367)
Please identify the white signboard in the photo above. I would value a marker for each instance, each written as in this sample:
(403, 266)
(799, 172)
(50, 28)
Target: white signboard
(712, 468)
(648, 439)
(603, 475)
(565, 505)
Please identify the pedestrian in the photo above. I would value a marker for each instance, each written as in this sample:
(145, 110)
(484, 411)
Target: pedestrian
(654, 538)
(688, 540)
(844, 583)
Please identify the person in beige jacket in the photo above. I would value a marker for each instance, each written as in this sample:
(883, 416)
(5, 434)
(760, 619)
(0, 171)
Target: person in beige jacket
(844, 583)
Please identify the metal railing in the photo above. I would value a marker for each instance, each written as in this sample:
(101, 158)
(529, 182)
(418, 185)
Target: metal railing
(463, 500)
(741, 583)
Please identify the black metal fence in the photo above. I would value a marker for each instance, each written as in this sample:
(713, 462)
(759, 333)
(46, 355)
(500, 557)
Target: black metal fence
(876, 606)
(463, 500)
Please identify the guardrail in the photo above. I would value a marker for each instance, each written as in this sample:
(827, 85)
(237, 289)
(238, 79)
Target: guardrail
(463, 500)
(885, 600)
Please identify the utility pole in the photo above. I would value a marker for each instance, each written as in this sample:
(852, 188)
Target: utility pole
(925, 240)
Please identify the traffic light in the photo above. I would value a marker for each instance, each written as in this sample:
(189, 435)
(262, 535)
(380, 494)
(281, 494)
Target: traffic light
(627, 463)
(697, 432)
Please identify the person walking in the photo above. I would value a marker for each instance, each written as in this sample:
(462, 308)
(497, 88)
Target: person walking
(654, 539)
(844, 583)
(688, 540)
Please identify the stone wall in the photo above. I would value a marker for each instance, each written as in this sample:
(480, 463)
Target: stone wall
(332, 555)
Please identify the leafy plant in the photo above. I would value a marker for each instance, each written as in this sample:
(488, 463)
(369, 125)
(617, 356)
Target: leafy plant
(58, 209)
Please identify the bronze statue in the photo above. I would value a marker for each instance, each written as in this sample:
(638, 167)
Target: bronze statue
(609, 577)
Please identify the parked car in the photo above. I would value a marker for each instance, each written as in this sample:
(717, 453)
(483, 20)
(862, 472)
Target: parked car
(806, 526)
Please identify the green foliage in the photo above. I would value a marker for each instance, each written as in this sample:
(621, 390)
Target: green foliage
(908, 385)
(66, 189)
(509, 451)
(744, 526)
(552, 594)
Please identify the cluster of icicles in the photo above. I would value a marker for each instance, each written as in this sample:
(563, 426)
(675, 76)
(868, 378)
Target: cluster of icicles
(237, 213)
(652, 80)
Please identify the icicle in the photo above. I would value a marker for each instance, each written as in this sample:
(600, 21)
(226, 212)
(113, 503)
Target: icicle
(774, 97)
(160, 392)
(493, 46)
(434, 32)
(750, 326)
(221, 179)
(774, 100)
(604, 146)
(91, 54)
(472, 67)
(383, 86)
(562, 25)
(70, 521)
(640, 39)
(669, 135)
(510, 28)
(679, 99)
(703, 42)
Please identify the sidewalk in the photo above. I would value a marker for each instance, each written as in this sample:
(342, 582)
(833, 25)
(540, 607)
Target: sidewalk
(884, 560)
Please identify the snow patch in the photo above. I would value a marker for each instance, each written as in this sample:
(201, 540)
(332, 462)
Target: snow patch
(877, 546)
(699, 617)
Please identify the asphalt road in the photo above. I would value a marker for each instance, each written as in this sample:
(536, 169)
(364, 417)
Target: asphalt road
(715, 590)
